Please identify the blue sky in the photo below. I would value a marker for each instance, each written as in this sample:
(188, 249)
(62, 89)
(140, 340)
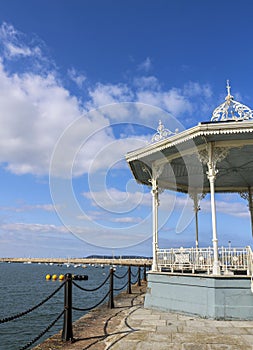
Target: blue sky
(84, 82)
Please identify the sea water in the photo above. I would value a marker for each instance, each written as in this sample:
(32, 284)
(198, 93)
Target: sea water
(23, 286)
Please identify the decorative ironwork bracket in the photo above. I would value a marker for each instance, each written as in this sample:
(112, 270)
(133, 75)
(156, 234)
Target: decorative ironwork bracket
(196, 197)
(249, 197)
(211, 156)
(156, 172)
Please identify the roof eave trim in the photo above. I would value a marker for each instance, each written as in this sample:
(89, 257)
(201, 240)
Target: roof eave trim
(190, 134)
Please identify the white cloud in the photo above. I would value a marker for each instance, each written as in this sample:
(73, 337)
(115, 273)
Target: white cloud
(150, 82)
(176, 103)
(34, 112)
(14, 45)
(79, 79)
(147, 90)
(104, 94)
(16, 50)
(103, 152)
(192, 89)
(116, 201)
(27, 207)
(172, 100)
(33, 228)
(238, 96)
(146, 65)
(224, 205)
(127, 219)
(236, 209)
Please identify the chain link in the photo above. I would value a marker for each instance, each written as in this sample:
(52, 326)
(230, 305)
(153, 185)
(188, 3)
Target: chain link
(93, 307)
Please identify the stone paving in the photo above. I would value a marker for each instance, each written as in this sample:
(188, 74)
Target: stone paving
(130, 326)
(163, 330)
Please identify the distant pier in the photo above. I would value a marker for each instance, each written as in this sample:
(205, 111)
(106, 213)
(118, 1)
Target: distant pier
(84, 261)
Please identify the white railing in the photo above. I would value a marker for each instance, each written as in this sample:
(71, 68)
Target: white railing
(232, 260)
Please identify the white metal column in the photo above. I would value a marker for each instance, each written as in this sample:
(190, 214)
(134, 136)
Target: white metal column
(210, 156)
(216, 265)
(156, 172)
(211, 174)
(155, 204)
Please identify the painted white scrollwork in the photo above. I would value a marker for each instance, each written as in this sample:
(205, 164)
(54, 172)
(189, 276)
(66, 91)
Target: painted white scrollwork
(211, 156)
(196, 197)
(231, 110)
(162, 133)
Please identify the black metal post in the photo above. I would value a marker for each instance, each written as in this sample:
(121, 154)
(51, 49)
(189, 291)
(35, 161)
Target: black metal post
(139, 276)
(129, 290)
(67, 332)
(144, 273)
(111, 301)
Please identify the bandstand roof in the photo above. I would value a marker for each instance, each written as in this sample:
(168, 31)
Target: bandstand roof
(180, 155)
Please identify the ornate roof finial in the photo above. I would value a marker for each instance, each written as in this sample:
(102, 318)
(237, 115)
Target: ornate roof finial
(162, 133)
(228, 88)
(231, 110)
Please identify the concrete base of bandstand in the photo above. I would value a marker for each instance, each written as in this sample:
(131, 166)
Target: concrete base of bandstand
(207, 296)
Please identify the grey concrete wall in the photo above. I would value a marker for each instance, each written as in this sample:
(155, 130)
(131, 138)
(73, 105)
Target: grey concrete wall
(224, 297)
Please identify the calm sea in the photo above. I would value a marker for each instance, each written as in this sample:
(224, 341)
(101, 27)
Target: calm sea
(23, 286)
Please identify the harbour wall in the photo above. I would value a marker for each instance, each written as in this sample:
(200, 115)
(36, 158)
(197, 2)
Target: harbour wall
(85, 261)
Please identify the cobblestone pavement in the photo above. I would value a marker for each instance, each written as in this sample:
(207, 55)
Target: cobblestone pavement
(130, 326)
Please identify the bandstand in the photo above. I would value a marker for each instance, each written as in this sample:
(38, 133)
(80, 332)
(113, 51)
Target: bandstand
(212, 157)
